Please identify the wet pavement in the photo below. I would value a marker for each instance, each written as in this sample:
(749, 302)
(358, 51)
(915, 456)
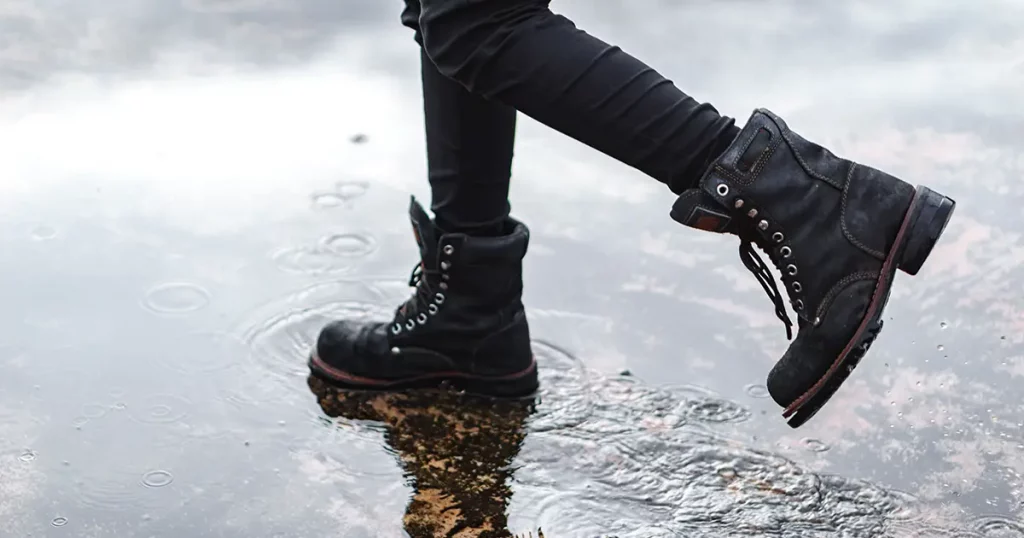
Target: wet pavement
(189, 190)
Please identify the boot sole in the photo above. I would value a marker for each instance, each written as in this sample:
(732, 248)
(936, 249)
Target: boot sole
(922, 226)
(522, 384)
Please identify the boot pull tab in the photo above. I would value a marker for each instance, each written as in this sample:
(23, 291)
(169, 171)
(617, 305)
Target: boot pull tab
(757, 147)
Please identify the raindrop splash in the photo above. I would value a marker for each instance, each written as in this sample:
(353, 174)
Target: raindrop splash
(157, 479)
(176, 298)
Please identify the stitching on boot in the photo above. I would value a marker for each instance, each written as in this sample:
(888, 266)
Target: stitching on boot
(733, 162)
(842, 219)
(803, 163)
(826, 301)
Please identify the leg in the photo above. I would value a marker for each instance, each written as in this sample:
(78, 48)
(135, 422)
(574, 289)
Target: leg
(518, 52)
(470, 143)
(835, 229)
(465, 325)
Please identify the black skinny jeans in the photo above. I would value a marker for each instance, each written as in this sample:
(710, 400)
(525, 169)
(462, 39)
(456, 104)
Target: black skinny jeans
(484, 59)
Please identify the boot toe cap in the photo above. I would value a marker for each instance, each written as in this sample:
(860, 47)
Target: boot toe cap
(343, 341)
(817, 348)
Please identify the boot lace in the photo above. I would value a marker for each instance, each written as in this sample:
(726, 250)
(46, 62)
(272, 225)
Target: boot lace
(755, 264)
(423, 303)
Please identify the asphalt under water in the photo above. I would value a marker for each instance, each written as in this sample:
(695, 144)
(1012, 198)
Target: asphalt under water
(188, 191)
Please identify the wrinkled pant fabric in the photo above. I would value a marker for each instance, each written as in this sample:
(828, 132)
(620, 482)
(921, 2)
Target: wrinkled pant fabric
(484, 59)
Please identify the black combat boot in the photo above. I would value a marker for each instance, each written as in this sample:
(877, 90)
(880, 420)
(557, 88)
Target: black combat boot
(464, 326)
(835, 229)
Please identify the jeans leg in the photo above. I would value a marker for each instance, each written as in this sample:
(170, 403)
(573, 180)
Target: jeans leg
(470, 143)
(520, 53)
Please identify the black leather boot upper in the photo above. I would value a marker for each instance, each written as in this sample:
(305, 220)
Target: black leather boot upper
(828, 224)
(464, 319)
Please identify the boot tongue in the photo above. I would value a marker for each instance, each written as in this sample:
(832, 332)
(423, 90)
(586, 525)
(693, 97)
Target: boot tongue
(697, 209)
(423, 229)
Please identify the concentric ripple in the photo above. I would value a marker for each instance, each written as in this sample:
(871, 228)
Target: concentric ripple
(160, 409)
(349, 245)
(281, 334)
(691, 484)
(995, 526)
(204, 352)
(333, 254)
(566, 398)
(176, 298)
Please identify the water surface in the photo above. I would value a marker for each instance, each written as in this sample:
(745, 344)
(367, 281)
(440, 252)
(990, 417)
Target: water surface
(191, 189)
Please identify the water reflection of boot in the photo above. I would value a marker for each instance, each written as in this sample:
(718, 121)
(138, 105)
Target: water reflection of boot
(464, 325)
(457, 448)
(836, 230)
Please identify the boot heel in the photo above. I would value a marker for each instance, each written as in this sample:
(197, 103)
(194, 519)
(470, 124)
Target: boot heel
(928, 218)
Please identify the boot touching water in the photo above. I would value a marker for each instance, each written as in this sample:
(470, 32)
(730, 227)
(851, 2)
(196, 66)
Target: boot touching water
(464, 326)
(836, 230)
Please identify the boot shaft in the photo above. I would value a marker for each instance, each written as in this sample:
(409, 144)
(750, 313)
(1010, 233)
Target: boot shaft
(819, 217)
(468, 283)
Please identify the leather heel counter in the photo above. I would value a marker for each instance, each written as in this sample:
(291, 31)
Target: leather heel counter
(505, 351)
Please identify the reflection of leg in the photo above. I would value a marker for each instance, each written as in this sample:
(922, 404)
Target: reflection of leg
(837, 230)
(457, 449)
(465, 323)
(519, 53)
(469, 149)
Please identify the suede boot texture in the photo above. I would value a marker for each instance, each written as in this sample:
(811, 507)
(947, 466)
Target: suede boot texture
(836, 230)
(464, 326)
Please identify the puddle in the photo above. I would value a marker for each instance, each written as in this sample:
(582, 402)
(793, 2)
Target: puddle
(232, 186)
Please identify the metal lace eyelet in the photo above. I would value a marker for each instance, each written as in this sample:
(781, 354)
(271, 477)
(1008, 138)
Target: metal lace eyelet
(411, 324)
(422, 318)
(396, 328)
(395, 351)
(445, 277)
(791, 270)
(723, 189)
(438, 298)
(778, 237)
(448, 249)
(445, 266)
(763, 225)
(798, 287)
(738, 203)
(432, 308)
(786, 252)
(798, 304)
(752, 213)
(444, 285)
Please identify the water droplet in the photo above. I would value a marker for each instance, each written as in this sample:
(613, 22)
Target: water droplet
(941, 347)
(157, 479)
(310, 260)
(176, 298)
(327, 199)
(349, 244)
(359, 138)
(349, 190)
(94, 411)
(27, 456)
(943, 325)
(757, 391)
(43, 233)
(161, 409)
(814, 445)
(59, 521)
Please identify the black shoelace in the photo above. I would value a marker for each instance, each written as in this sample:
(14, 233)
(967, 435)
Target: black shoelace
(752, 260)
(424, 296)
